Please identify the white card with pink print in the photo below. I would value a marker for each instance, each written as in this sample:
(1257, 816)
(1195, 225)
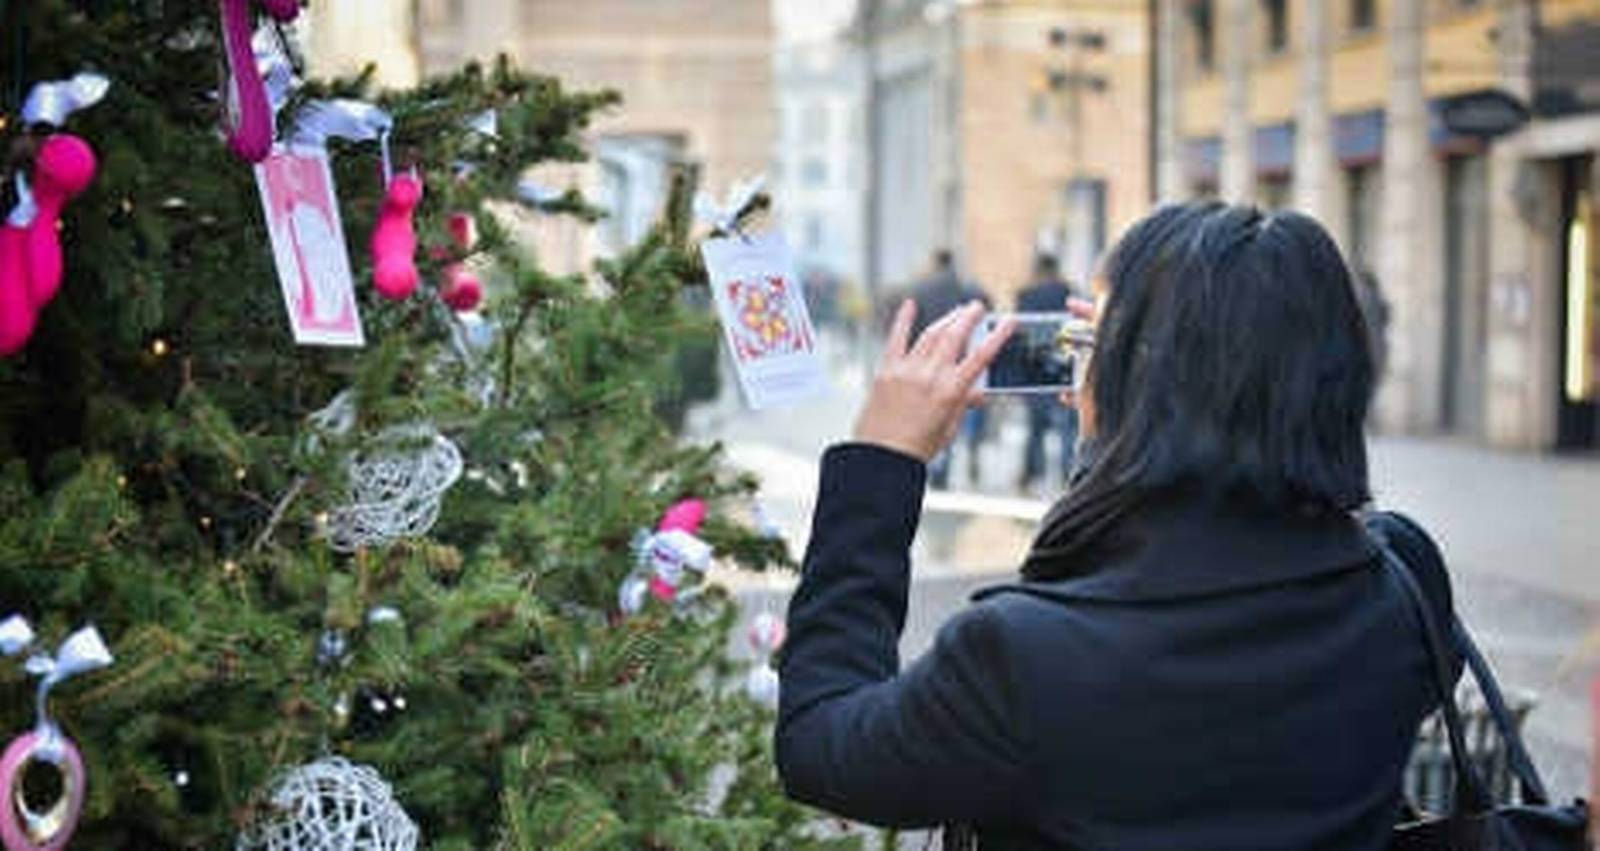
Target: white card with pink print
(764, 320)
(308, 246)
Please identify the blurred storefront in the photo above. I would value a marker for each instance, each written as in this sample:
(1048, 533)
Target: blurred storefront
(1450, 146)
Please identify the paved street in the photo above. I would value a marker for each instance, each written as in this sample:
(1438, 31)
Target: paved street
(1519, 531)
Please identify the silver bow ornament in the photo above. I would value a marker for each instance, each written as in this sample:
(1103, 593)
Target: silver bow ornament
(82, 652)
(724, 216)
(345, 118)
(54, 101)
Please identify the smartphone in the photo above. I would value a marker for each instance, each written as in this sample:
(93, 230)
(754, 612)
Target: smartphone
(1046, 353)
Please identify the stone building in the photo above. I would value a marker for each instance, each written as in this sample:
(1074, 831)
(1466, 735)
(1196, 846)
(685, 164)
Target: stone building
(695, 77)
(818, 162)
(1003, 128)
(1403, 126)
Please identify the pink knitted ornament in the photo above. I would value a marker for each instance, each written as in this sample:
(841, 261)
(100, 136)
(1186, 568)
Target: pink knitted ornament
(461, 289)
(17, 315)
(394, 239)
(63, 168)
(686, 515)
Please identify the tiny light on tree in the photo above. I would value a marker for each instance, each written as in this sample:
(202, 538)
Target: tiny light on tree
(127, 205)
(239, 474)
(122, 481)
(230, 567)
(160, 347)
(205, 521)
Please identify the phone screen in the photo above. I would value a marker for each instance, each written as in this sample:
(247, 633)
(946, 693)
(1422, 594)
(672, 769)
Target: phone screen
(1034, 360)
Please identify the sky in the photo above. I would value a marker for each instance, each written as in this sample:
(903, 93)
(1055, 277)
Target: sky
(809, 20)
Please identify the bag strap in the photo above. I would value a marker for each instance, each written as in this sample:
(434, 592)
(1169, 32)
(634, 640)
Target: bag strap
(1533, 791)
(1469, 786)
(1467, 778)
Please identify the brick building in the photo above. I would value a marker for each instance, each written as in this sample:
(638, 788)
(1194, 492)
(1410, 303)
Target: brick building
(1378, 117)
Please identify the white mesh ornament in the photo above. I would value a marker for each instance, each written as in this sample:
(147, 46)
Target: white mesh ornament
(395, 488)
(331, 805)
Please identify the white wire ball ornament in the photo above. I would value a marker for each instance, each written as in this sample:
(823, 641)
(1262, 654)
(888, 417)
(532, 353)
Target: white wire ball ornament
(331, 805)
(395, 488)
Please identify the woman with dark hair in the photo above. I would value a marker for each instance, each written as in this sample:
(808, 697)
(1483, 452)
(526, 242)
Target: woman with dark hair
(1202, 651)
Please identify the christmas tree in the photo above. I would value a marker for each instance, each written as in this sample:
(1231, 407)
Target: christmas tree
(166, 476)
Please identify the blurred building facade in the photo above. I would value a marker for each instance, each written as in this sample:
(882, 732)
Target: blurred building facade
(1396, 123)
(1003, 128)
(695, 77)
(818, 163)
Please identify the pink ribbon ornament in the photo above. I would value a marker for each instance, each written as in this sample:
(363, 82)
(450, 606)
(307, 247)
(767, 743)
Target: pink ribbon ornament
(22, 829)
(247, 107)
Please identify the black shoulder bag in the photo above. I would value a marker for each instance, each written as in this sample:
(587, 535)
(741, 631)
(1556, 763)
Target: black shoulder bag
(1474, 823)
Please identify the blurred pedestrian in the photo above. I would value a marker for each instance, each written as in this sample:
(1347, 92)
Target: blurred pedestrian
(1047, 293)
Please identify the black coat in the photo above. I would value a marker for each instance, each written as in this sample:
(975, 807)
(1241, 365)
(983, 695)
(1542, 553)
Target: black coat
(1221, 681)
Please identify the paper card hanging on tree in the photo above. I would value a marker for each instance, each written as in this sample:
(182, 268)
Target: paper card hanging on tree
(764, 319)
(308, 246)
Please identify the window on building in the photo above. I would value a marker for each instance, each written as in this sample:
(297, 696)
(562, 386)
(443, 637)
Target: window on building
(814, 123)
(1277, 15)
(1364, 209)
(1039, 107)
(814, 173)
(1363, 15)
(1201, 20)
(1274, 193)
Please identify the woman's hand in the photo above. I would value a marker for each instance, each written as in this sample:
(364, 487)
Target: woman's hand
(922, 388)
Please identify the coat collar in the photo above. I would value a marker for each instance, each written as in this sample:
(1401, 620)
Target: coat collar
(1194, 546)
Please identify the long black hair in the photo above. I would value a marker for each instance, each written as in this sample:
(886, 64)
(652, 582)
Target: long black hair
(1231, 359)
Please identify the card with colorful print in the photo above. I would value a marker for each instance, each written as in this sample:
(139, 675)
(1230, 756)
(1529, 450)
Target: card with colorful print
(764, 319)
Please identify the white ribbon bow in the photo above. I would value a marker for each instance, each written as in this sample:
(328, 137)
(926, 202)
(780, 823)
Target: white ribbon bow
(83, 651)
(52, 102)
(486, 122)
(277, 72)
(22, 215)
(725, 216)
(15, 635)
(344, 118)
(530, 191)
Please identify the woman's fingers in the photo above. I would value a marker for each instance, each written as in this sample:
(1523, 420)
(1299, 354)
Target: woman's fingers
(948, 348)
(931, 335)
(900, 331)
(979, 359)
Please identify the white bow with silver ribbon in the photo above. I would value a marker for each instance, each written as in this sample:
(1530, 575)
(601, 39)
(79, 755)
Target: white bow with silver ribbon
(52, 102)
(345, 118)
(725, 216)
(83, 651)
